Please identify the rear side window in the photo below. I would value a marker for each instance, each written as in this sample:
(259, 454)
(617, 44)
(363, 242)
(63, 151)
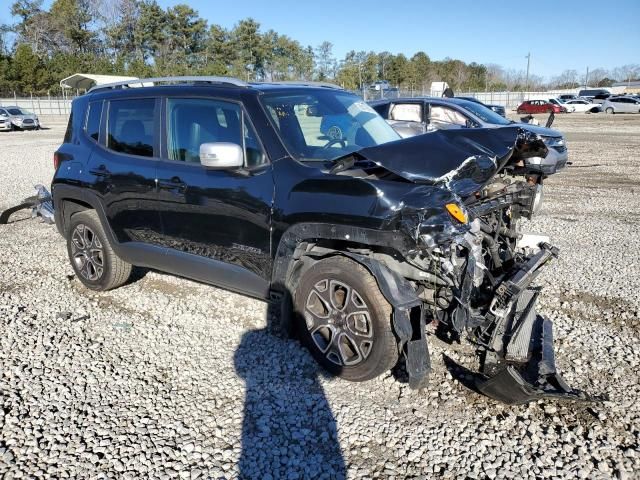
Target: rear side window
(67, 134)
(92, 125)
(130, 127)
(408, 112)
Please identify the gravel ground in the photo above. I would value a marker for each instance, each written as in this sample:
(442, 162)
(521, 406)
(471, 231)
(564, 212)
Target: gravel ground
(167, 378)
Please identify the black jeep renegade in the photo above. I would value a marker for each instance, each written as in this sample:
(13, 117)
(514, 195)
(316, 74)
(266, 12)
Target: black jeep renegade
(303, 194)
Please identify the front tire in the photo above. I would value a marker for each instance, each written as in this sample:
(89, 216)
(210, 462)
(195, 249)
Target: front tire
(609, 111)
(344, 320)
(95, 263)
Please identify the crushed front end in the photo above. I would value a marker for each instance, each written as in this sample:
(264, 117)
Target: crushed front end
(480, 284)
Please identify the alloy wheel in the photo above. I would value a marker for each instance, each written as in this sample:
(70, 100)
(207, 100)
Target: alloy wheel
(339, 322)
(87, 253)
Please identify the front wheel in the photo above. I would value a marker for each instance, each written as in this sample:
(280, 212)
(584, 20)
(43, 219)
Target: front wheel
(609, 110)
(344, 320)
(95, 263)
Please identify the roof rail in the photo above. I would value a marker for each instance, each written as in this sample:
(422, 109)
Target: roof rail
(150, 82)
(304, 84)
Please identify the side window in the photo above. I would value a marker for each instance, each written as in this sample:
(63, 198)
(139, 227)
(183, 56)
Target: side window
(92, 124)
(444, 117)
(192, 122)
(130, 127)
(69, 130)
(407, 112)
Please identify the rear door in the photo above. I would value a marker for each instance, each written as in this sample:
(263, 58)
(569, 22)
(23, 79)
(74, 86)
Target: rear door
(218, 215)
(123, 168)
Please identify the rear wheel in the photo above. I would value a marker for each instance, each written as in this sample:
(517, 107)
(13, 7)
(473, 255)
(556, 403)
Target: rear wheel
(609, 110)
(95, 263)
(344, 320)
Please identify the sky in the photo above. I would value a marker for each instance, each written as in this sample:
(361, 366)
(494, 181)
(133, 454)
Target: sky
(560, 34)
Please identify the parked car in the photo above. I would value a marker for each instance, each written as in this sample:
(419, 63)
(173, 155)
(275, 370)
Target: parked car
(499, 109)
(360, 240)
(415, 116)
(600, 98)
(622, 104)
(560, 103)
(583, 106)
(590, 93)
(565, 97)
(18, 119)
(5, 121)
(539, 106)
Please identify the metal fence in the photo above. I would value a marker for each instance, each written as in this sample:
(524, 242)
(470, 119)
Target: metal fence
(509, 100)
(40, 105)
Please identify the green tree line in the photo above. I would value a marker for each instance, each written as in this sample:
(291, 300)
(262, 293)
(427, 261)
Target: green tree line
(140, 38)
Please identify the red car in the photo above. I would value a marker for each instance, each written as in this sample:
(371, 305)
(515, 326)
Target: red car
(540, 106)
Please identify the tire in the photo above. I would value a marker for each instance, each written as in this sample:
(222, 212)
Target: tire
(351, 338)
(95, 263)
(609, 110)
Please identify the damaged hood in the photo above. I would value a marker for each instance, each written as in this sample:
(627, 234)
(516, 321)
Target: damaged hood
(461, 159)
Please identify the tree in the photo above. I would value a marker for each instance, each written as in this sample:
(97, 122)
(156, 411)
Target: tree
(72, 20)
(325, 61)
(249, 45)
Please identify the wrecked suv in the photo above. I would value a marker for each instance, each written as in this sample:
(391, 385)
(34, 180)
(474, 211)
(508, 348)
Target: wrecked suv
(366, 236)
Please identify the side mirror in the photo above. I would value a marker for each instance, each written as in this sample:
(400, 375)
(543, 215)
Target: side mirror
(221, 155)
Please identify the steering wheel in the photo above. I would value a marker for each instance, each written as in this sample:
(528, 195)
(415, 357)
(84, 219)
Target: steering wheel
(333, 141)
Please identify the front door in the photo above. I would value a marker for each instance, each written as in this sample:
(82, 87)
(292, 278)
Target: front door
(216, 214)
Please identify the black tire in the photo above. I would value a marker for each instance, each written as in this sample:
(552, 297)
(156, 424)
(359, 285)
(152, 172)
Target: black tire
(95, 263)
(610, 111)
(362, 321)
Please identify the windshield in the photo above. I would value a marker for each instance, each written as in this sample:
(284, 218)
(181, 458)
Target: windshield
(15, 111)
(324, 125)
(485, 114)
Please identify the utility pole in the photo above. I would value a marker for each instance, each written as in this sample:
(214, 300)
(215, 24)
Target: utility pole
(586, 79)
(528, 57)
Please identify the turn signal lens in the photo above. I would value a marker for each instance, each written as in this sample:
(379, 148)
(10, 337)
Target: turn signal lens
(456, 212)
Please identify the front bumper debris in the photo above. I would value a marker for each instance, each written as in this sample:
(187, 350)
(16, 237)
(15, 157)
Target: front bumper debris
(41, 205)
(519, 361)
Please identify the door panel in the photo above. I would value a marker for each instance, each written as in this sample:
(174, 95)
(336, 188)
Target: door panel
(125, 168)
(222, 215)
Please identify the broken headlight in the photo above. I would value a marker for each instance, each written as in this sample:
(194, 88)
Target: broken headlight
(554, 142)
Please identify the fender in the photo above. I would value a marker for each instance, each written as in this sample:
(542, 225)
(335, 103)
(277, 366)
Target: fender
(61, 192)
(409, 322)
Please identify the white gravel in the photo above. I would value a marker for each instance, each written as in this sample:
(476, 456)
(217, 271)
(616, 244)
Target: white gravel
(168, 378)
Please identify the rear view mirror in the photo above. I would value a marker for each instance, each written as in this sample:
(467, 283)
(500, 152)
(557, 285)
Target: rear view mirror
(221, 155)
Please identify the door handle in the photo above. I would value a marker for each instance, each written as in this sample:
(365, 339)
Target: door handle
(101, 171)
(174, 184)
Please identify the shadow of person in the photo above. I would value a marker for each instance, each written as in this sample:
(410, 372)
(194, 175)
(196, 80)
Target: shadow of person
(288, 428)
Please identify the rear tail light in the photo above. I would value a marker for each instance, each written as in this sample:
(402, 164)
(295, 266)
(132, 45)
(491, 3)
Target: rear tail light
(56, 160)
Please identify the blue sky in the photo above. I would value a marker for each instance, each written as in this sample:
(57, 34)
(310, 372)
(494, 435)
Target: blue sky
(559, 34)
